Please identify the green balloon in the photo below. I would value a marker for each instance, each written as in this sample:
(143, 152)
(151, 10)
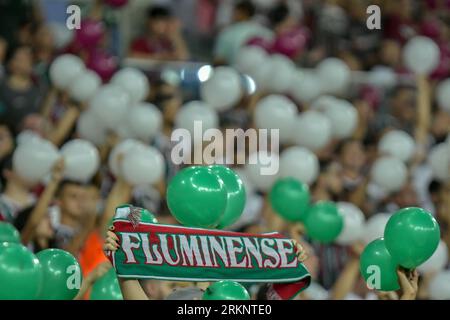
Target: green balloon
(378, 268)
(107, 287)
(236, 195)
(226, 290)
(412, 235)
(323, 222)
(62, 275)
(197, 197)
(290, 199)
(20, 273)
(8, 233)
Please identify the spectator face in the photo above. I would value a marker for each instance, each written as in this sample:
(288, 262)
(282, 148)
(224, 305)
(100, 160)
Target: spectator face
(403, 105)
(407, 197)
(159, 26)
(391, 53)
(6, 141)
(34, 122)
(71, 200)
(22, 62)
(91, 198)
(43, 38)
(353, 156)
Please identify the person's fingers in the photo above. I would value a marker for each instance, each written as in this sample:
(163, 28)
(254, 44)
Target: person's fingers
(112, 235)
(112, 242)
(402, 278)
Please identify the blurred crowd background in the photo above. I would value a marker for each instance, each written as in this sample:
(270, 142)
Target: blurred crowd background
(279, 49)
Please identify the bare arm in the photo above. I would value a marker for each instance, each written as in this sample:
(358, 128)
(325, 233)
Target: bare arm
(97, 273)
(64, 126)
(43, 203)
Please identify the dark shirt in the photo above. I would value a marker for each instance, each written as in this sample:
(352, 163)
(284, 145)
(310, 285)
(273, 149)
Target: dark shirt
(15, 105)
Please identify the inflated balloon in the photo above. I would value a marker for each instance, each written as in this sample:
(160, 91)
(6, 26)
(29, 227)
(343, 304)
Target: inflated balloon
(21, 273)
(397, 143)
(144, 121)
(144, 165)
(235, 195)
(134, 82)
(116, 3)
(226, 290)
(81, 160)
(378, 268)
(439, 161)
(290, 43)
(250, 58)
(27, 136)
(90, 33)
(382, 76)
(290, 199)
(61, 275)
(62, 36)
(88, 128)
(196, 111)
(437, 261)
(421, 55)
(64, 69)
(306, 86)
(281, 70)
(439, 287)
(334, 74)
(312, 130)
(374, 227)
(223, 89)
(299, 163)
(196, 197)
(389, 173)
(8, 233)
(84, 86)
(353, 223)
(343, 117)
(119, 151)
(110, 105)
(33, 161)
(323, 222)
(276, 112)
(411, 235)
(443, 95)
(107, 287)
(262, 168)
(103, 63)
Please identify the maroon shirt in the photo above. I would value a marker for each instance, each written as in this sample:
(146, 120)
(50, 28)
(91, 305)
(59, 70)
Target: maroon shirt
(151, 46)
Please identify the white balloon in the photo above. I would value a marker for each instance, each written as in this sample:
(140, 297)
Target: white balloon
(120, 150)
(134, 82)
(145, 121)
(81, 160)
(374, 227)
(110, 105)
(249, 187)
(382, 76)
(84, 86)
(312, 130)
(62, 35)
(421, 55)
(323, 102)
(27, 136)
(64, 69)
(439, 160)
(262, 168)
(299, 163)
(439, 287)
(261, 76)
(437, 261)
(250, 58)
(281, 73)
(276, 112)
(344, 118)
(306, 86)
(353, 223)
(145, 165)
(334, 74)
(196, 111)
(264, 4)
(443, 95)
(33, 161)
(389, 173)
(316, 292)
(223, 89)
(397, 143)
(90, 128)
